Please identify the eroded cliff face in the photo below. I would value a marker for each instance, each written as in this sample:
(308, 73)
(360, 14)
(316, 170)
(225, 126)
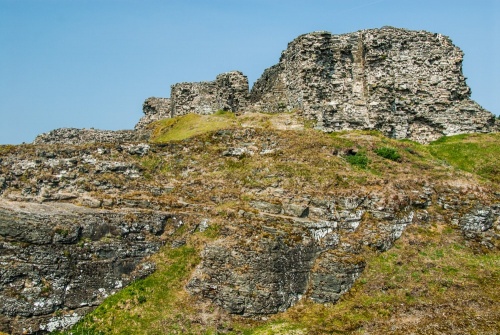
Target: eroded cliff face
(407, 84)
(317, 252)
(62, 257)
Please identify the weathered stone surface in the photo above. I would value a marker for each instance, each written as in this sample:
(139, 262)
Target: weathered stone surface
(264, 276)
(154, 109)
(334, 275)
(64, 258)
(81, 136)
(282, 255)
(407, 84)
(228, 92)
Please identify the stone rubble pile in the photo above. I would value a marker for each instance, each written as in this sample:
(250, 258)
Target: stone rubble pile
(82, 136)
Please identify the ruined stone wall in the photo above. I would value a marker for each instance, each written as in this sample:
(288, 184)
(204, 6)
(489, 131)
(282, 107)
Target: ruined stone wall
(154, 109)
(229, 91)
(407, 84)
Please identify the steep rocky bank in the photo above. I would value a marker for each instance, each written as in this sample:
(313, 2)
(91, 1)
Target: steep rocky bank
(276, 210)
(65, 257)
(294, 219)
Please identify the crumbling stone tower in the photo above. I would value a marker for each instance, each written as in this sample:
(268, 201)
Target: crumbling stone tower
(228, 92)
(407, 84)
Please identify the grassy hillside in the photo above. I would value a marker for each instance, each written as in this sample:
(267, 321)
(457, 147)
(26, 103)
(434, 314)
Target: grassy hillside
(190, 125)
(431, 282)
(475, 153)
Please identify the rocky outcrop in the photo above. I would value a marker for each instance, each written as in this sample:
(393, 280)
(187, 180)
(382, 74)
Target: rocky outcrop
(228, 92)
(154, 109)
(309, 253)
(59, 261)
(267, 266)
(407, 84)
(284, 232)
(82, 136)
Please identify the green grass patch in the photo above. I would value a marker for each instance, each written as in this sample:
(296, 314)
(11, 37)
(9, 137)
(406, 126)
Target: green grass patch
(359, 159)
(190, 125)
(475, 153)
(154, 305)
(388, 153)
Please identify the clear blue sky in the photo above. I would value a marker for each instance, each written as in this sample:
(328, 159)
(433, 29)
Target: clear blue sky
(92, 63)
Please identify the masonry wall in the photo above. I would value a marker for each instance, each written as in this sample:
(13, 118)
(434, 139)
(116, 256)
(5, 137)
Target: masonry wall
(407, 84)
(229, 92)
(154, 109)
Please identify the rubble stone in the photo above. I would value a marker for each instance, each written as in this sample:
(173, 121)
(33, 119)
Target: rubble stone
(154, 109)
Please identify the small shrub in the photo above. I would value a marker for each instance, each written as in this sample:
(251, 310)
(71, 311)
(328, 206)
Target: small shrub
(359, 159)
(388, 153)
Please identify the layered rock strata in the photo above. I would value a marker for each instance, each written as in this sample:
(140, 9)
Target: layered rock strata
(267, 266)
(59, 261)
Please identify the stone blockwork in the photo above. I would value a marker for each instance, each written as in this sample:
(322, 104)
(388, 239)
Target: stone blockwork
(228, 92)
(154, 109)
(407, 84)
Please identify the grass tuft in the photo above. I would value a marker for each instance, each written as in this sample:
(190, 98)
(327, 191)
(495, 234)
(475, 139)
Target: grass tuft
(388, 153)
(359, 159)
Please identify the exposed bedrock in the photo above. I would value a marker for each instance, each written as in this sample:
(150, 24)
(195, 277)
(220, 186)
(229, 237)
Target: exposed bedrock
(267, 266)
(59, 261)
